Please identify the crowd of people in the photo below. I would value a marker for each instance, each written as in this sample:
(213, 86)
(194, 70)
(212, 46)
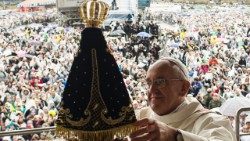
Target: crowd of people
(213, 43)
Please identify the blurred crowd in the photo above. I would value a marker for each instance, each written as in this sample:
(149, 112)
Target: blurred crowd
(213, 43)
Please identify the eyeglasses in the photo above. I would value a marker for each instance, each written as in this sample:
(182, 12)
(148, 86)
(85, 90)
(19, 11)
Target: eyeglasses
(161, 82)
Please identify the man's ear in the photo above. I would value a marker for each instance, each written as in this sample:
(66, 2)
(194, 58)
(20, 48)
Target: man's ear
(185, 87)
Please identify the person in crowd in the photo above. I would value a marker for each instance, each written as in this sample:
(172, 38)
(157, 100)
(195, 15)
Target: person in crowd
(215, 102)
(196, 85)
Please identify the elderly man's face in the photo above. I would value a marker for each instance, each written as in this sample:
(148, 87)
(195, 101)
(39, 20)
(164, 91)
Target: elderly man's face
(166, 90)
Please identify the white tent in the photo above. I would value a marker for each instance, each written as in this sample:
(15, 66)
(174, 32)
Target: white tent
(36, 3)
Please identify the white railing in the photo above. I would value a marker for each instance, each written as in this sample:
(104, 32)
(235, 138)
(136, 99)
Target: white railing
(27, 131)
(237, 124)
(52, 129)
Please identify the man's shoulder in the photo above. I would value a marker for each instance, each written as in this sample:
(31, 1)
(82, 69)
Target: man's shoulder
(211, 116)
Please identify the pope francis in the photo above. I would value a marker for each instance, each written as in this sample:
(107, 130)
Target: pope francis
(171, 115)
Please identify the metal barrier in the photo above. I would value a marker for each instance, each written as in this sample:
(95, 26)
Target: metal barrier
(27, 131)
(52, 129)
(237, 124)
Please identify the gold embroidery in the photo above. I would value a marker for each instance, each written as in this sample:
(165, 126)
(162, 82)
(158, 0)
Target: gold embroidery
(82, 121)
(65, 117)
(63, 113)
(122, 115)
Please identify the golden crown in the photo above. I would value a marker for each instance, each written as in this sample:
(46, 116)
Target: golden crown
(94, 12)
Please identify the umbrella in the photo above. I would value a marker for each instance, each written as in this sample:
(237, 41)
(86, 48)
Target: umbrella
(174, 45)
(144, 34)
(224, 40)
(2, 75)
(21, 53)
(117, 33)
(232, 105)
(34, 42)
(78, 23)
(7, 52)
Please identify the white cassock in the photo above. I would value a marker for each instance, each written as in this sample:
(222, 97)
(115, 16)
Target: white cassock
(195, 122)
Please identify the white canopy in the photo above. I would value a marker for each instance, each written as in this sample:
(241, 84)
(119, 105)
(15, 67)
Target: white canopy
(35, 3)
